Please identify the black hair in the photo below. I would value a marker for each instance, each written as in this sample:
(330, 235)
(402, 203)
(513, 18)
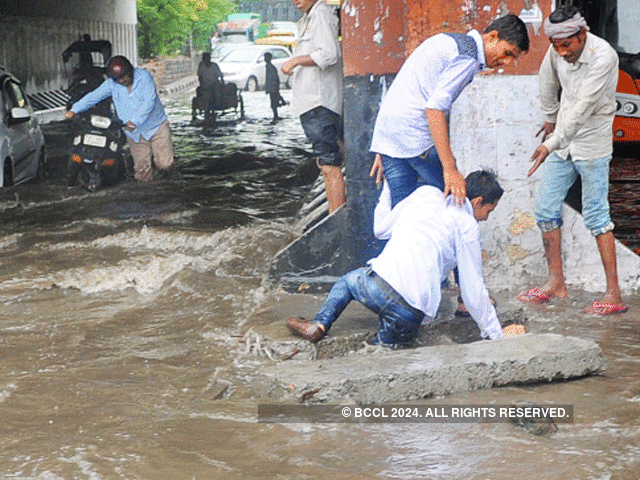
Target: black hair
(206, 57)
(118, 66)
(484, 183)
(563, 13)
(268, 57)
(511, 29)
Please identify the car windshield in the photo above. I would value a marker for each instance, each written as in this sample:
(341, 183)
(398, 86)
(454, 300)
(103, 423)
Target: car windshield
(242, 55)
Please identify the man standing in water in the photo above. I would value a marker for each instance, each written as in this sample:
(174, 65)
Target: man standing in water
(136, 101)
(577, 140)
(316, 68)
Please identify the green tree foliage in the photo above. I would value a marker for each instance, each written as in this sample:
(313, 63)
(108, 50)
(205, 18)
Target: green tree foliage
(165, 26)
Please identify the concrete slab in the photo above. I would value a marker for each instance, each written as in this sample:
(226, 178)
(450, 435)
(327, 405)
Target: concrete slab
(399, 375)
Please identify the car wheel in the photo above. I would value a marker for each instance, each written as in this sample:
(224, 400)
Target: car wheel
(252, 84)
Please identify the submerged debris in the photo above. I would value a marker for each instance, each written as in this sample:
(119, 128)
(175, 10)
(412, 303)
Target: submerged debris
(540, 426)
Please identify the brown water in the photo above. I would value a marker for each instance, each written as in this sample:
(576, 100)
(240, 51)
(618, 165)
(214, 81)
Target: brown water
(121, 353)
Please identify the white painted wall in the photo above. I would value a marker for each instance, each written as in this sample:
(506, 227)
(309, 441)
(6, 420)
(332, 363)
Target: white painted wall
(493, 124)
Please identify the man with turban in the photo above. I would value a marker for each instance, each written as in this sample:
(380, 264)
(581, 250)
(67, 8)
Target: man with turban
(577, 140)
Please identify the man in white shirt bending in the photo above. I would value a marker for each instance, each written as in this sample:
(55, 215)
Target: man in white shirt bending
(411, 134)
(428, 236)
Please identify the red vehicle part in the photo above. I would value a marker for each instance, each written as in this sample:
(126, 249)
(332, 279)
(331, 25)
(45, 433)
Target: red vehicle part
(626, 124)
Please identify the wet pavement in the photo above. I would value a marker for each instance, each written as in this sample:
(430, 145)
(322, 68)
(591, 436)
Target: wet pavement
(134, 327)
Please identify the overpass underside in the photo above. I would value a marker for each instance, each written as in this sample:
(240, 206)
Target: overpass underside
(36, 32)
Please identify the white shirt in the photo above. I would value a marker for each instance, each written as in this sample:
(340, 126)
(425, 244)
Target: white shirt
(429, 236)
(584, 115)
(433, 77)
(321, 85)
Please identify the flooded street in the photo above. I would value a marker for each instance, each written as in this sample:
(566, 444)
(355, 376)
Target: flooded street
(123, 311)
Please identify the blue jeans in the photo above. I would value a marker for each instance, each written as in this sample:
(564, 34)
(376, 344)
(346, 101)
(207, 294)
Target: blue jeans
(399, 322)
(559, 174)
(404, 175)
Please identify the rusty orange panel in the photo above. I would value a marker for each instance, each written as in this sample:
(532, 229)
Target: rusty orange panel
(373, 36)
(379, 34)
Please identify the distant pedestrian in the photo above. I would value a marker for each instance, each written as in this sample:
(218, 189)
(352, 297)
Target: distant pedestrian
(272, 85)
(211, 84)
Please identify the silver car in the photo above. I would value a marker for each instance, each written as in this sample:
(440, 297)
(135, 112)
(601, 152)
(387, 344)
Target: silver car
(21, 141)
(245, 66)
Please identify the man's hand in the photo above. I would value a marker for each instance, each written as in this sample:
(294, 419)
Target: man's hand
(456, 185)
(547, 128)
(538, 157)
(69, 115)
(289, 65)
(130, 126)
(377, 169)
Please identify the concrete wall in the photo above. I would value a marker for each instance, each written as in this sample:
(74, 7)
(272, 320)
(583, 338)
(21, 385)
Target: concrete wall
(493, 125)
(36, 32)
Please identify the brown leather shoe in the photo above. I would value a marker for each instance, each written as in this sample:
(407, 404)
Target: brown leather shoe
(311, 331)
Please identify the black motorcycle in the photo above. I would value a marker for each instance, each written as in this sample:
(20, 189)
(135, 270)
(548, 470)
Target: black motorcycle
(99, 155)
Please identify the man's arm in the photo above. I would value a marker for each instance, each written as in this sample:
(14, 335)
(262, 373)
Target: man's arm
(451, 83)
(454, 182)
(326, 52)
(299, 61)
(472, 288)
(383, 216)
(91, 98)
(549, 86)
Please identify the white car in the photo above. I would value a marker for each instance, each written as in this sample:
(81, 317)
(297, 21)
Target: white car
(245, 66)
(22, 150)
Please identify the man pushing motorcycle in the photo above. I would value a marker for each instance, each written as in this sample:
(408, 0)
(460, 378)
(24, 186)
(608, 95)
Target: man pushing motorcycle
(137, 105)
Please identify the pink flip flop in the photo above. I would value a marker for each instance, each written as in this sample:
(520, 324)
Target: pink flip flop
(600, 308)
(533, 296)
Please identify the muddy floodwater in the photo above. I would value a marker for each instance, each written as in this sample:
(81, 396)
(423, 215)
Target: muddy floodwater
(121, 336)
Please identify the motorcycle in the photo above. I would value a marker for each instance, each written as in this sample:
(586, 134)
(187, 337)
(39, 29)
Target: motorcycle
(99, 155)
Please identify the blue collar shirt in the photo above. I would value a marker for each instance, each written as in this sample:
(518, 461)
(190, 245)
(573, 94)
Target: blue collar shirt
(141, 105)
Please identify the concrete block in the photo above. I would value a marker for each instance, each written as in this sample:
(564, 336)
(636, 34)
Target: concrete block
(399, 375)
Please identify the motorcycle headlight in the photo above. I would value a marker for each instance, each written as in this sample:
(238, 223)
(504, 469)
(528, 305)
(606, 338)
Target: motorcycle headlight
(99, 121)
(113, 146)
(77, 140)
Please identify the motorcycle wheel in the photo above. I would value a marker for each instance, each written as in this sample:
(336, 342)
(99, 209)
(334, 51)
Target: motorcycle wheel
(91, 180)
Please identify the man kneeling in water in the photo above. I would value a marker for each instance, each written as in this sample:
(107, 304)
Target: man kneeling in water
(428, 236)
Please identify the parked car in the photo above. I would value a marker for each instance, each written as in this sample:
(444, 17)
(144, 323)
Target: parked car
(245, 66)
(22, 151)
